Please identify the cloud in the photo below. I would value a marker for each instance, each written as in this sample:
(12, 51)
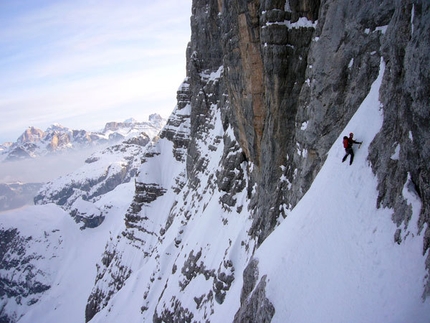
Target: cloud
(70, 59)
(43, 169)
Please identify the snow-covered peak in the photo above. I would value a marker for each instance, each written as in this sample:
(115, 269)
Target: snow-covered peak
(32, 134)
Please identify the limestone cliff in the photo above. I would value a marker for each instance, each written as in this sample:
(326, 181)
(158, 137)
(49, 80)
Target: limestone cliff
(293, 75)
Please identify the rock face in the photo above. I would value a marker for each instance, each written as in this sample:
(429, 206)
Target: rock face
(31, 135)
(296, 76)
(296, 72)
(256, 308)
(26, 264)
(401, 151)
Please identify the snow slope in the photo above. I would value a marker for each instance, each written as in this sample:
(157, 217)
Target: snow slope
(334, 258)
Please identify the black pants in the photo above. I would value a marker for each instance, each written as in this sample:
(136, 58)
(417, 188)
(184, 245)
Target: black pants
(348, 151)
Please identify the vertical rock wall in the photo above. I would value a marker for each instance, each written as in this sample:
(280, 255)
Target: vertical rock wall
(287, 65)
(296, 71)
(401, 151)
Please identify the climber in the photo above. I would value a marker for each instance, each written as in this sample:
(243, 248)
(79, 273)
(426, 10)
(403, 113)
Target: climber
(347, 144)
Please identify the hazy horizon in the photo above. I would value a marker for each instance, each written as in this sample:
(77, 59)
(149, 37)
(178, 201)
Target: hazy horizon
(45, 168)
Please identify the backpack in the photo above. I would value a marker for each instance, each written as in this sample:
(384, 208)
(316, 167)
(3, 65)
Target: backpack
(345, 142)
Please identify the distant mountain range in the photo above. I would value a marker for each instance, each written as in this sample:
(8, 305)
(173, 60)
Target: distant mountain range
(129, 138)
(56, 139)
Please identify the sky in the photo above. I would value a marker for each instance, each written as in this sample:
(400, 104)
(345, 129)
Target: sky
(82, 63)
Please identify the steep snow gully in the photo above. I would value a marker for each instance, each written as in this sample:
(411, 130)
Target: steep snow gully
(335, 252)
